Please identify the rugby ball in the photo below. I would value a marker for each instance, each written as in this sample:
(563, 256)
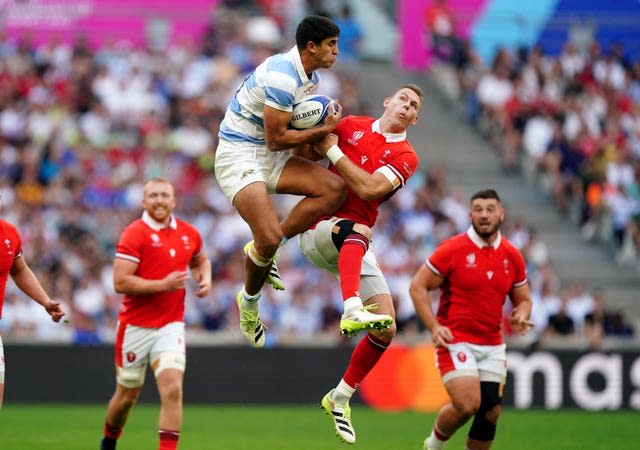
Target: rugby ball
(311, 111)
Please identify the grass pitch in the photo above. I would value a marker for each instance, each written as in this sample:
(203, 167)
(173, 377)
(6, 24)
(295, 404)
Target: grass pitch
(221, 427)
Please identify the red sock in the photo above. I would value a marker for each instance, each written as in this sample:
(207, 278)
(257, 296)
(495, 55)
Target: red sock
(438, 434)
(111, 432)
(350, 263)
(168, 439)
(363, 359)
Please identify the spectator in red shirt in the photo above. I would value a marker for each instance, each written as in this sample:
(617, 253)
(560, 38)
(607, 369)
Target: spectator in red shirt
(150, 269)
(475, 271)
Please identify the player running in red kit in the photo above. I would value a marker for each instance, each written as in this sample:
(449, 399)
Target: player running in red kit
(475, 272)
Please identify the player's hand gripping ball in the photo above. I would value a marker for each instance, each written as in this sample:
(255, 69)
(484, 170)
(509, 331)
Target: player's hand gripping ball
(311, 111)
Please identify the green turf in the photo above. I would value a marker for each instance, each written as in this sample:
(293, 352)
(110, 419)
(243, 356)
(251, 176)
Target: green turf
(78, 427)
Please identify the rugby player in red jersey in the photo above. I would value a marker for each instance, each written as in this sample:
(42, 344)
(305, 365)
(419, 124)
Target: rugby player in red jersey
(375, 159)
(12, 262)
(150, 269)
(475, 272)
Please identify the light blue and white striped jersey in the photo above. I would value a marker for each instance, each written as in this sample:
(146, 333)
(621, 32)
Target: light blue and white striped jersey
(280, 81)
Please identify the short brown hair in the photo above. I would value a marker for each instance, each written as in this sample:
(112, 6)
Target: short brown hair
(486, 194)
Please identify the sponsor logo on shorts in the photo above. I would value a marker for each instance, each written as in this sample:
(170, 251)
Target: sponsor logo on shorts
(247, 173)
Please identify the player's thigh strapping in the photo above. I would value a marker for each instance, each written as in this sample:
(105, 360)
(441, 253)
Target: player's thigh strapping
(238, 164)
(137, 347)
(318, 246)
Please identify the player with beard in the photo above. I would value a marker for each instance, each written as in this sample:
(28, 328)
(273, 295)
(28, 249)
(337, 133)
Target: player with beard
(475, 272)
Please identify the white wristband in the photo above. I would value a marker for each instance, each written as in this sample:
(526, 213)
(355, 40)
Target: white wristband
(334, 154)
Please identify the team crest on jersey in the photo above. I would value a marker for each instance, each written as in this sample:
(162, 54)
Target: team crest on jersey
(490, 274)
(383, 158)
(185, 241)
(471, 260)
(357, 135)
(363, 159)
(172, 252)
(505, 263)
(155, 240)
(7, 243)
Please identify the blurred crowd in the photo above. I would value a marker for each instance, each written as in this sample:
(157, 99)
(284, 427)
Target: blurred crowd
(571, 122)
(82, 128)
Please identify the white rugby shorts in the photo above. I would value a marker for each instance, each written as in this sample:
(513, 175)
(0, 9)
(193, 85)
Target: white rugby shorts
(140, 346)
(487, 362)
(238, 164)
(316, 244)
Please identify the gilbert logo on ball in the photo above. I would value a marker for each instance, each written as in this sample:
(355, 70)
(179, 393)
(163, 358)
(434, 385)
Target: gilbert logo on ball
(311, 111)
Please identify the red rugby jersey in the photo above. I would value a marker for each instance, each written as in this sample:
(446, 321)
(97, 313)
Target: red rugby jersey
(478, 278)
(158, 251)
(363, 143)
(10, 249)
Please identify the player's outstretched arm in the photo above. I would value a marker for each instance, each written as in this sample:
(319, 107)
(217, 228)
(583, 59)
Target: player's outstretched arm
(27, 282)
(367, 186)
(201, 270)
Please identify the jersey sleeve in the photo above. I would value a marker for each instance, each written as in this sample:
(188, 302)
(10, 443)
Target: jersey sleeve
(129, 246)
(520, 268)
(279, 89)
(199, 247)
(16, 240)
(441, 260)
(400, 168)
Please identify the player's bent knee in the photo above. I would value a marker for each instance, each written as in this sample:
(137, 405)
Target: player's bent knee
(169, 360)
(131, 377)
(483, 427)
(348, 229)
(362, 229)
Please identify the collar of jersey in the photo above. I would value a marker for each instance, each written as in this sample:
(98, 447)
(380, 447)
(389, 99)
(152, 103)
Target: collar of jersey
(390, 137)
(476, 239)
(295, 54)
(146, 218)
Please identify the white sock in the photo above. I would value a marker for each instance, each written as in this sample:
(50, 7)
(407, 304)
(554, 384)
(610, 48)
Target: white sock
(250, 302)
(342, 393)
(435, 443)
(352, 304)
